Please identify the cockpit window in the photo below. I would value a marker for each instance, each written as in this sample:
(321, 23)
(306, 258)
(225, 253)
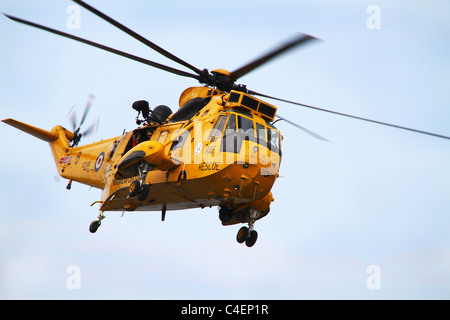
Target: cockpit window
(240, 128)
(245, 125)
(231, 126)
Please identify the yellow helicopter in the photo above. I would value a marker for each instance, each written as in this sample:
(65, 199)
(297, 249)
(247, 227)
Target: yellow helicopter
(220, 148)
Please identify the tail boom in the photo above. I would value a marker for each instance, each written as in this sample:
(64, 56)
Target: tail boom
(89, 170)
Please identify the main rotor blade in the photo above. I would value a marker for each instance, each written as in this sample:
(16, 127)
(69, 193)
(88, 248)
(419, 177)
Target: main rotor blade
(292, 43)
(137, 36)
(315, 135)
(351, 116)
(109, 49)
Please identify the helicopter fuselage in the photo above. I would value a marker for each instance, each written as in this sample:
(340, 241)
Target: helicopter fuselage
(226, 154)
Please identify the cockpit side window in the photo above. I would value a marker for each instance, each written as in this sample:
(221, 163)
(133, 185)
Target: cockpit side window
(273, 138)
(230, 140)
(261, 134)
(218, 128)
(179, 142)
(221, 126)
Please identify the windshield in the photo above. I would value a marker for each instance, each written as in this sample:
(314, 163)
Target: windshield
(243, 127)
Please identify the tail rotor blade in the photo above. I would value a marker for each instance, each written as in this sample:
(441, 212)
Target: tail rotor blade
(92, 129)
(77, 128)
(87, 108)
(72, 115)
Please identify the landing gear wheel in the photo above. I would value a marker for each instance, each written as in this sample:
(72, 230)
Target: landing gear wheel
(248, 234)
(252, 238)
(134, 188)
(143, 192)
(242, 235)
(96, 223)
(94, 226)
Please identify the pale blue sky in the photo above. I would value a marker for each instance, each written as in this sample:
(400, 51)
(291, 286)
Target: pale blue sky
(372, 196)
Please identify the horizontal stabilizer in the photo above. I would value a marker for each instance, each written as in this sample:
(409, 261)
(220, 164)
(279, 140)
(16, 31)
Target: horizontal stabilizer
(36, 132)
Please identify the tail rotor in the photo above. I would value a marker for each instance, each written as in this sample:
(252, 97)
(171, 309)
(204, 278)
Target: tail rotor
(77, 128)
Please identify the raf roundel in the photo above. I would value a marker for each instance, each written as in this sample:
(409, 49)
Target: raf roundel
(99, 161)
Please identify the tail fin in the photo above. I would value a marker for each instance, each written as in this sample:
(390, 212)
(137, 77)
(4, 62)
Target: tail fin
(38, 133)
(58, 138)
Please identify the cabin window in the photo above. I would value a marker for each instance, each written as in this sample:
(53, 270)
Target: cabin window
(179, 142)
